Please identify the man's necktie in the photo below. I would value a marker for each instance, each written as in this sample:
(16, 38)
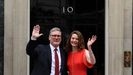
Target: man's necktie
(56, 62)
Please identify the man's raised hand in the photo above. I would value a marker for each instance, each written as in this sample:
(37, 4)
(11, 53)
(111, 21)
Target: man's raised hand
(36, 32)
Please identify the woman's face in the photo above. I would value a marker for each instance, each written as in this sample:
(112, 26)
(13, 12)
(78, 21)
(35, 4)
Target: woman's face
(74, 40)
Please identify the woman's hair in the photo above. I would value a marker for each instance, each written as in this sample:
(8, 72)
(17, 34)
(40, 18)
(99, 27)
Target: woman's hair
(81, 43)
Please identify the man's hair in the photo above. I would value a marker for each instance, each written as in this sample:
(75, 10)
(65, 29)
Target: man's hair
(54, 29)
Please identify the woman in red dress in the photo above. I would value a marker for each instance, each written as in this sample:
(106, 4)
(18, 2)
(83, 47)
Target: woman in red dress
(79, 58)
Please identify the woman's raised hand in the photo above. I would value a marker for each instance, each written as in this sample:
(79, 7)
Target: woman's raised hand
(91, 40)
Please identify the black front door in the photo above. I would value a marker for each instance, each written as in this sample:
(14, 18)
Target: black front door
(83, 15)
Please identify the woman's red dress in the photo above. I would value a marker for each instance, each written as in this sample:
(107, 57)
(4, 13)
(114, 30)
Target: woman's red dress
(77, 63)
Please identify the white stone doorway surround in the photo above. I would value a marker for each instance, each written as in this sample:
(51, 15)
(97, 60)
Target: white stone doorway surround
(118, 36)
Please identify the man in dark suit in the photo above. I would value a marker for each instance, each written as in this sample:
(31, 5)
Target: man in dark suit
(45, 55)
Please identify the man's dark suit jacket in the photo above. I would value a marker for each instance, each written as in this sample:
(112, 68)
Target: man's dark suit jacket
(42, 58)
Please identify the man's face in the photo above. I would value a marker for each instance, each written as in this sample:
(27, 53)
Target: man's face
(55, 38)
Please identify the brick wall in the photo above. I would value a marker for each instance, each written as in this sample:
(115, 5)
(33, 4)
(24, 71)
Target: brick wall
(1, 35)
